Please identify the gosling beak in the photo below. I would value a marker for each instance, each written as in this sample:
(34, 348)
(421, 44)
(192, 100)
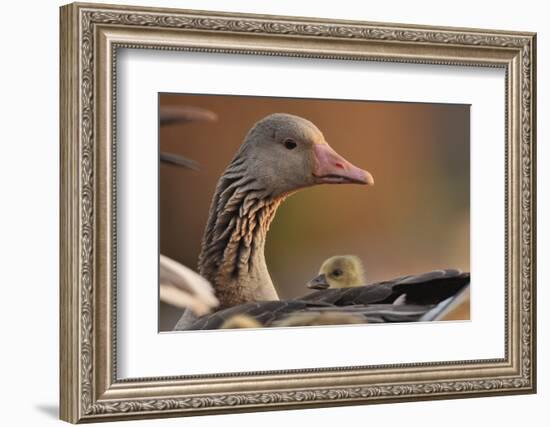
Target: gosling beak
(319, 282)
(332, 168)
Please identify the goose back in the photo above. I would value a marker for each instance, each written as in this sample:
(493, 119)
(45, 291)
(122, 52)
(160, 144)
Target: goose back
(423, 289)
(373, 303)
(278, 313)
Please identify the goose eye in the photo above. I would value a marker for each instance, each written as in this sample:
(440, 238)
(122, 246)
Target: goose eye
(290, 144)
(337, 272)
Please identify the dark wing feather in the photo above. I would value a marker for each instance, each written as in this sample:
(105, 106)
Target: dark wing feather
(433, 289)
(370, 294)
(423, 289)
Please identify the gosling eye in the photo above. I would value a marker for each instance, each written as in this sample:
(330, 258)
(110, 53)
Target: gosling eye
(290, 144)
(337, 272)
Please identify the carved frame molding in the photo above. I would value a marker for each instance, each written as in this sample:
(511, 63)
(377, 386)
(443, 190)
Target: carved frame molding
(90, 37)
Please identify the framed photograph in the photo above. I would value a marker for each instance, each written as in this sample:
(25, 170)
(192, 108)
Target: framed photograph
(266, 212)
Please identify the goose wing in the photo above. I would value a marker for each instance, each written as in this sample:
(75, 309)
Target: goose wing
(263, 312)
(304, 313)
(424, 289)
(426, 297)
(182, 287)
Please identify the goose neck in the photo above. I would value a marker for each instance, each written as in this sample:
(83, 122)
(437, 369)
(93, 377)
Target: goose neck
(232, 256)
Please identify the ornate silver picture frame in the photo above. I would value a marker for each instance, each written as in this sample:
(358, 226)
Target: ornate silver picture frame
(92, 36)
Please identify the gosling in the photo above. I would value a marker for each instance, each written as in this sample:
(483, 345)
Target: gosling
(340, 271)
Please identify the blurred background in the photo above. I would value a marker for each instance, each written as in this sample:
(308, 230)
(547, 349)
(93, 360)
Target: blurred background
(414, 219)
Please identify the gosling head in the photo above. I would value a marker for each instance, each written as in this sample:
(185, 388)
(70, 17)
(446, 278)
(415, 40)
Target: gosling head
(284, 153)
(341, 271)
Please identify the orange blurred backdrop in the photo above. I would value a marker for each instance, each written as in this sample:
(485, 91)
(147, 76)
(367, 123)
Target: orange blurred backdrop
(415, 218)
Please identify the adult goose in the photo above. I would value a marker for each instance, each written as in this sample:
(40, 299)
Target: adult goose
(280, 155)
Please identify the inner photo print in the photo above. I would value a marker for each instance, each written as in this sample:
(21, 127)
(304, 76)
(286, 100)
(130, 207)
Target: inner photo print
(282, 212)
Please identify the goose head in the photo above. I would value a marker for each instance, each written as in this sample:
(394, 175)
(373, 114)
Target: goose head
(286, 153)
(341, 271)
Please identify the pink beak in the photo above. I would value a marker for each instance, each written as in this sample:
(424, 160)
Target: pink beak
(332, 168)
